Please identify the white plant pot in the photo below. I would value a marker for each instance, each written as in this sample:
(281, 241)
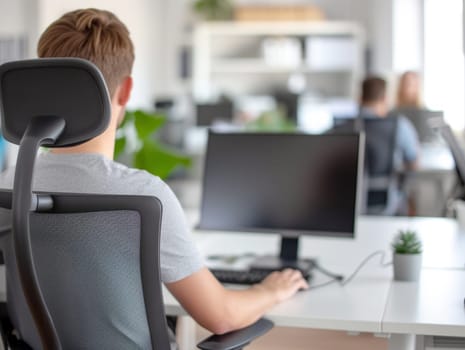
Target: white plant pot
(407, 267)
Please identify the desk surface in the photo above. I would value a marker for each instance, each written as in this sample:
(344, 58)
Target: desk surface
(372, 302)
(435, 158)
(434, 306)
(443, 240)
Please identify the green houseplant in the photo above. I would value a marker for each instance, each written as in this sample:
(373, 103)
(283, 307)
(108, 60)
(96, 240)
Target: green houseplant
(271, 121)
(407, 256)
(136, 144)
(214, 10)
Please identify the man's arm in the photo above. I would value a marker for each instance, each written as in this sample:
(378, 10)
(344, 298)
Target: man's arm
(221, 310)
(407, 138)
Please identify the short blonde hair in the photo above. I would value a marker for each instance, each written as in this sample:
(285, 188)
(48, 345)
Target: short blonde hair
(92, 34)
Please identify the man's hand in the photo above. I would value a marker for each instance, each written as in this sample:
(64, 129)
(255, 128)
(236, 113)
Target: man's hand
(283, 284)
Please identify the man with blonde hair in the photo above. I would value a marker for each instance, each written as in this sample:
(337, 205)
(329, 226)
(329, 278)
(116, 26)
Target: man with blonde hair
(100, 37)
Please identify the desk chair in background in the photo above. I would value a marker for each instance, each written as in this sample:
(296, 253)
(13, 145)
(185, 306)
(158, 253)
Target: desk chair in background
(420, 117)
(458, 191)
(381, 184)
(384, 196)
(77, 252)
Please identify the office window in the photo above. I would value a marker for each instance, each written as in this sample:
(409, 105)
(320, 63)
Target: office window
(444, 74)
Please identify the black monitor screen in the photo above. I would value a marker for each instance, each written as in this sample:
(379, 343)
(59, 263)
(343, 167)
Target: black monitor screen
(288, 183)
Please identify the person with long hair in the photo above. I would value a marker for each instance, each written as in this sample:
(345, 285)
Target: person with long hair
(409, 91)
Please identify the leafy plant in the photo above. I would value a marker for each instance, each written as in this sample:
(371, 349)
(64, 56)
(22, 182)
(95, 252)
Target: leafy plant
(407, 242)
(214, 9)
(273, 121)
(135, 138)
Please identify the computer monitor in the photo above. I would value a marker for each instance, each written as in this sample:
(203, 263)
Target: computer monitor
(287, 183)
(210, 113)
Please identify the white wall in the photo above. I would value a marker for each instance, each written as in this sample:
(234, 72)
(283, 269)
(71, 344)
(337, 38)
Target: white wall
(12, 18)
(408, 35)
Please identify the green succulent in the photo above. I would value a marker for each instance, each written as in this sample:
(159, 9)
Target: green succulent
(136, 138)
(407, 242)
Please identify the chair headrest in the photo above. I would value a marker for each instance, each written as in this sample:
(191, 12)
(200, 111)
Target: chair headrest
(69, 88)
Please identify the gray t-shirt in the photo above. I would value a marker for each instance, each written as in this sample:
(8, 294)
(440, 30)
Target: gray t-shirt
(93, 173)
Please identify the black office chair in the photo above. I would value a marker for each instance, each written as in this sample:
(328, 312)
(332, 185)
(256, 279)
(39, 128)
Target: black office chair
(381, 184)
(58, 103)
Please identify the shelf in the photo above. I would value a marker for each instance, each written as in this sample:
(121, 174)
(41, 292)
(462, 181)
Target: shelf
(280, 28)
(229, 57)
(232, 66)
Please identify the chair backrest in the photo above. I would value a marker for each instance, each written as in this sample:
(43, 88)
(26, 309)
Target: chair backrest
(90, 269)
(380, 136)
(64, 102)
(380, 185)
(380, 141)
(457, 151)
(419, 117)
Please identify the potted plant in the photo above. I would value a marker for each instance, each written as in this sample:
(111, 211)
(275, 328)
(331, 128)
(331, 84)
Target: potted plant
(407, 256)
(137, 146)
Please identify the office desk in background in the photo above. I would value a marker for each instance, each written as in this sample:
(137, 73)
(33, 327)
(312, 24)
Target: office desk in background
(431, 185)
(372, 302)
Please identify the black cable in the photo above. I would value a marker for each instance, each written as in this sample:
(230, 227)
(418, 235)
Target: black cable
(337, 278)
(313, 287)
(364, 261)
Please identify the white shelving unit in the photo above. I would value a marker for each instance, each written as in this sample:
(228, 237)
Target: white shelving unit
(229, 59)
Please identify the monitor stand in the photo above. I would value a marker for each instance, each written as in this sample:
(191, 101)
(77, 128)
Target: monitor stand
(287, 259)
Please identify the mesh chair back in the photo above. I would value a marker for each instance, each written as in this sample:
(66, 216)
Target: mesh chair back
(88, 266)
(380, 145)
(98, 271)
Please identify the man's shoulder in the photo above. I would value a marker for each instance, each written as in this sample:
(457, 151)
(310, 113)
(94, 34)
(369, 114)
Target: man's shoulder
(132, 180)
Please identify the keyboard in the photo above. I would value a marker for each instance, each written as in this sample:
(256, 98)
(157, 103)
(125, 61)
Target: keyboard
(251, 276)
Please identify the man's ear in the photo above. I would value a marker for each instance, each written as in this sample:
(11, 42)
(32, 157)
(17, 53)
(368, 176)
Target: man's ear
(124, 91)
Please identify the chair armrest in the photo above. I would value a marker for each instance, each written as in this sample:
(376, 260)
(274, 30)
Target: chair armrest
(237, 339)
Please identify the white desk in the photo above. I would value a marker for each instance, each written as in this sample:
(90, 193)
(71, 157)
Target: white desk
(372, 302)
(436, 158)
(434, 306)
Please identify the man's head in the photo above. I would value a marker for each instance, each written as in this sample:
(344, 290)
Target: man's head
(96, 35)
(374, 94)
(100, 37)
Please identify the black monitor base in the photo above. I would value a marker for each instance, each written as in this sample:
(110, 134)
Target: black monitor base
(288, 258)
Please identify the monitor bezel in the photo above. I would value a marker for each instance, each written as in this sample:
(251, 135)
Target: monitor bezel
(289, 233)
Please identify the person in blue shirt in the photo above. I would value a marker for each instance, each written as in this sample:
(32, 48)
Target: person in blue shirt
(374, 104)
